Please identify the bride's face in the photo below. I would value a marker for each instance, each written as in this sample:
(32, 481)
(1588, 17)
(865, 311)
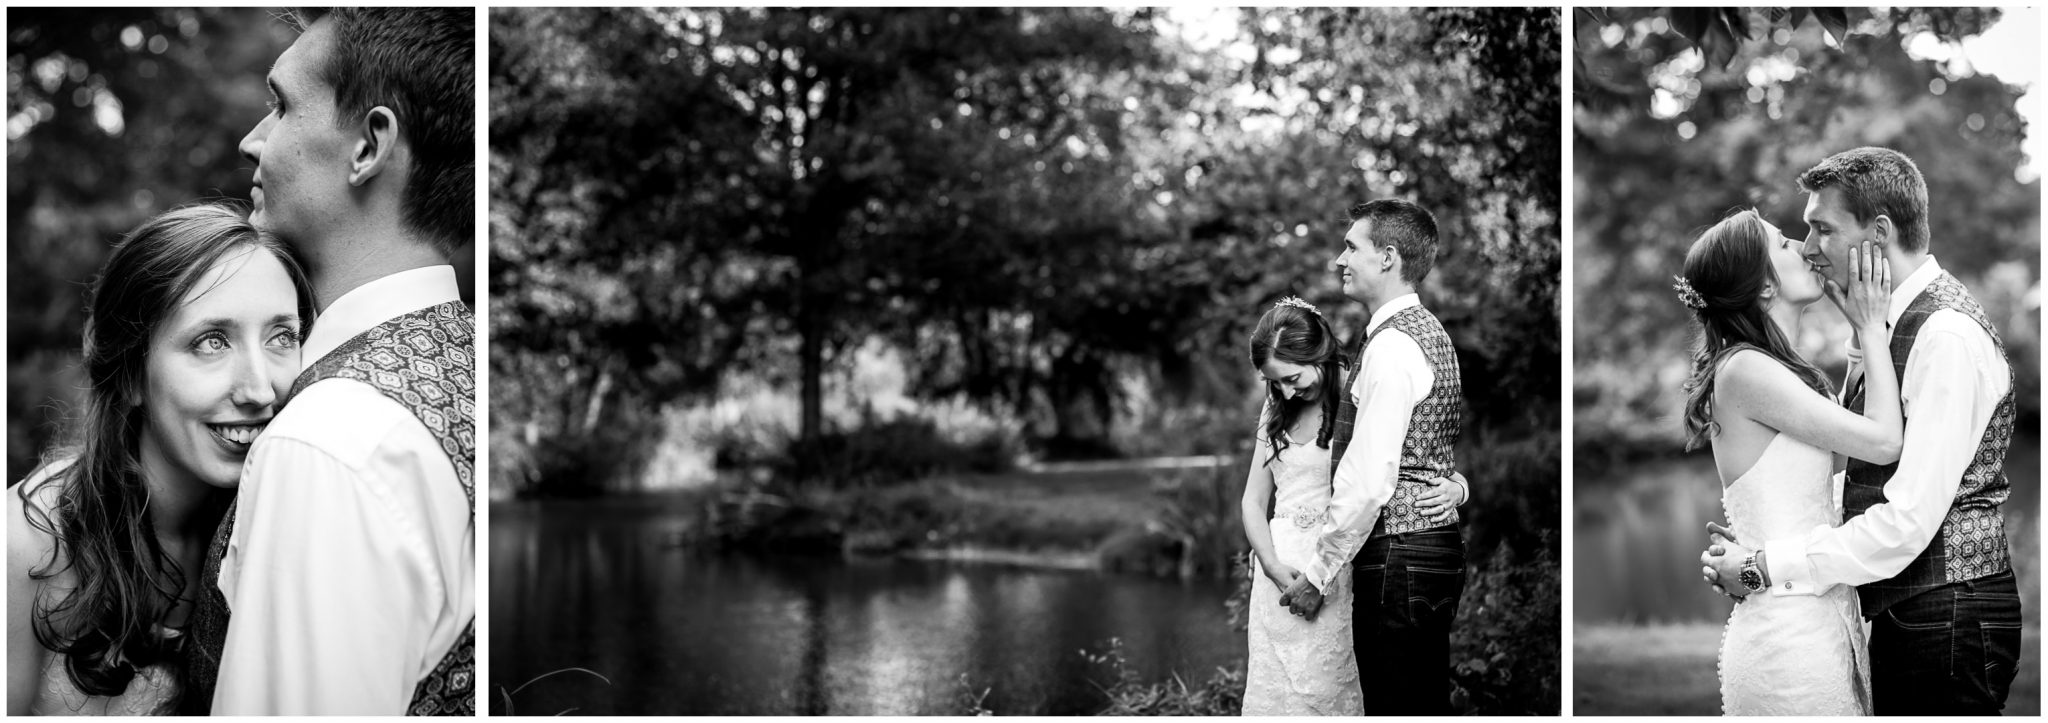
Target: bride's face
(1798, 283)
(1296, 381)
(216, 367)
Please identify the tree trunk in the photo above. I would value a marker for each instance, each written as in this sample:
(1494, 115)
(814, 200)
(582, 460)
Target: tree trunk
(810, 324)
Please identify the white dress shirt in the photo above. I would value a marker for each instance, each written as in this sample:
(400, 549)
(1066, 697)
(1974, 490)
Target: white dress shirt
(352, 567)
(1954, 379)
(1394, 376)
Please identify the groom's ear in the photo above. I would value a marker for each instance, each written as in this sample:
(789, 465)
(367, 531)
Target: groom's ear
(376, 148)
(1883, 231)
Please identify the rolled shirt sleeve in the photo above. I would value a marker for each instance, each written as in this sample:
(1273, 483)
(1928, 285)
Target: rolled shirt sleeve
(1954, 379)
(1394, 376)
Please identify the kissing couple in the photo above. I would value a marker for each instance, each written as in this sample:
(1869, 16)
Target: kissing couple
(265, 504)
(1351, 505)
(1913, 542)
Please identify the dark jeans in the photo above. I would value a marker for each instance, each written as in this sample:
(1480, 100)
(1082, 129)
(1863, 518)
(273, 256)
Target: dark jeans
(1407, 589)
(1952, 650)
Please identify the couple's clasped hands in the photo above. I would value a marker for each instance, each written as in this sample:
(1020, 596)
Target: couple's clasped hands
(1438, 502)
(1867, 305)
(1296, 594)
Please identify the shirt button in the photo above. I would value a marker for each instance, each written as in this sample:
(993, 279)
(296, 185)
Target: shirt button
(1788, 585)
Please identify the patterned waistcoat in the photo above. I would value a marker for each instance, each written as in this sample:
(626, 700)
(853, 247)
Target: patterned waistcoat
(1971, 542)
(1432, 428)
(425, 361)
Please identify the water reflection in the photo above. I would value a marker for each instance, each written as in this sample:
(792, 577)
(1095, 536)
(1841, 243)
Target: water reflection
(598, 585)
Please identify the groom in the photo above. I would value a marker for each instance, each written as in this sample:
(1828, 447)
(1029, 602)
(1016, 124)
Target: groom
(1391, 517)
(343, 581)
(1924, 542)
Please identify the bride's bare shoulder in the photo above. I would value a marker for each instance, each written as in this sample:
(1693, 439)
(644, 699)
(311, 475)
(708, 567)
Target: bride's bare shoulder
(1750, 375)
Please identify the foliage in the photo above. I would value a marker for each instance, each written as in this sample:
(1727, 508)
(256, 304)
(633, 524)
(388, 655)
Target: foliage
(1221, 695)
(1199, 513)
(878, 452)
(1505, 641)
(1668, 140)
(1059, 213)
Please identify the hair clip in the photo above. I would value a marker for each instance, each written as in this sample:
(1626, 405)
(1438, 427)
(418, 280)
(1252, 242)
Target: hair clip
(1296, 302)
(1687, 295)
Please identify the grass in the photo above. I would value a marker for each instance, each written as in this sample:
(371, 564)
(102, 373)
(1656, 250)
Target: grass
(1622, 669)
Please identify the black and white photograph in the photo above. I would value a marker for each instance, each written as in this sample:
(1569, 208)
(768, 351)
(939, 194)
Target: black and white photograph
(1806, 339)
(242, 361)
(1025, 361)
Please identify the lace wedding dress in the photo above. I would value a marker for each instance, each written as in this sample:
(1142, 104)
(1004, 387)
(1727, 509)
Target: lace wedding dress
(1298, 667)
(1791, 655)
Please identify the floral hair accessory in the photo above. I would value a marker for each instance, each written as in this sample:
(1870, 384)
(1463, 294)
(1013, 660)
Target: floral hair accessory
(1296, 302)
(1687, 295)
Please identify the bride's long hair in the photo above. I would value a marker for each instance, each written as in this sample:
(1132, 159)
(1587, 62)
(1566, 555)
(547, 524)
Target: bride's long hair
(99, 514)
(1726, 271)
(1297, 335)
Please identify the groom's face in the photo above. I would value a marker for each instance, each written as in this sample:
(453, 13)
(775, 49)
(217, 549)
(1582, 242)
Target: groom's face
(1831, 230)
(301, 149)
(1359, 264)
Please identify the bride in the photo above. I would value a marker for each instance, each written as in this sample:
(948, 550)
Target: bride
(1776, 437)
(191, 339)
(1296, 666)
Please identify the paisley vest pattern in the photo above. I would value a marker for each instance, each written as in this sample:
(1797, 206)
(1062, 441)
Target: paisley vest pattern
(426, 362)
(1971, 543)
(1433, 427)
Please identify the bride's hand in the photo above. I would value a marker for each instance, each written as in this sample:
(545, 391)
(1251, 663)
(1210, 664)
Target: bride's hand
(1282, 575)
(1870, 293)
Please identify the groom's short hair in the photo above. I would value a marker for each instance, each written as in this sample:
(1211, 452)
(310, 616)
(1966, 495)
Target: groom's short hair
(1877, 181)
(420, 63)
(1409, 228)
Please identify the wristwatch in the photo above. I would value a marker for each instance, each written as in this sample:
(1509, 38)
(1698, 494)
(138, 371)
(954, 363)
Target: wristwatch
(1752, 577)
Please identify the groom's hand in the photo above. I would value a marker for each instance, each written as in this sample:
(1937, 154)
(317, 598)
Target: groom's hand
(1303, 599)
(1308, 603)
(1721, 563)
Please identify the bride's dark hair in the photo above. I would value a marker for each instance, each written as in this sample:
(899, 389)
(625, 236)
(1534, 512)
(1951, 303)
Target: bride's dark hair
(1298, 336)
(1727, 269)
(98, 512)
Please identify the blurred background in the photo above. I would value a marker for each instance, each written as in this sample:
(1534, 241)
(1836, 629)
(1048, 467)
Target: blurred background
(113, 115)
(857, 361)
(1682, 116)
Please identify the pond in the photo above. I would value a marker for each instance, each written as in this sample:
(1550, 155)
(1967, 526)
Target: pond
(601, 585)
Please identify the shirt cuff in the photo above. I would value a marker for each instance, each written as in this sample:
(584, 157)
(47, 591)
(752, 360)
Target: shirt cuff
(1791, 573)
(1318, 577)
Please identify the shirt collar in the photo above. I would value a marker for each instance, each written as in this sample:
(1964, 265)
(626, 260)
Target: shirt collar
(366, 306)
(1382, 314)
(1908, 290)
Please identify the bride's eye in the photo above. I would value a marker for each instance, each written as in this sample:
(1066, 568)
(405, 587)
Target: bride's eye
(212, 342)
(285, 339)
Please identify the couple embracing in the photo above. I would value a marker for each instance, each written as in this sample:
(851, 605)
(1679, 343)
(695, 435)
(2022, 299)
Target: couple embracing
(266, 505)
(1351, 502)
(1913, 542)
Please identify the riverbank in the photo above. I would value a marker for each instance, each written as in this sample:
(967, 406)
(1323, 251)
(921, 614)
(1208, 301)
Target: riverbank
(1669, 669)
(1136, 516)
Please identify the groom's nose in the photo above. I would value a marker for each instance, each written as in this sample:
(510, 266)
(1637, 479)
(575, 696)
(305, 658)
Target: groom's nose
(251, 146)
